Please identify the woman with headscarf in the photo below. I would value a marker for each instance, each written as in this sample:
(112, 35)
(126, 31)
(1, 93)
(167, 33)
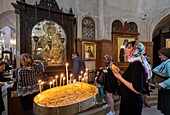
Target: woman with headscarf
(164, 87)
(109, 84)
(133, 79)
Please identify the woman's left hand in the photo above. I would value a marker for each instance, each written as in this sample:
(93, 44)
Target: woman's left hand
(157, 86)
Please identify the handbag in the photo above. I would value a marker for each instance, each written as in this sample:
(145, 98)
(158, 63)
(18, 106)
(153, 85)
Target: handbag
(100, 78)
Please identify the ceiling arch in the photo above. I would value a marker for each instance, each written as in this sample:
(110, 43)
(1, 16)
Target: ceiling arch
(8, 18)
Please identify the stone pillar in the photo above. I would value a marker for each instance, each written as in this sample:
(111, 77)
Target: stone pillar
(101, 20)
(18, 50)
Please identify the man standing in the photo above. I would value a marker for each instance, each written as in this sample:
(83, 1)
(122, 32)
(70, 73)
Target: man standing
(78, 65)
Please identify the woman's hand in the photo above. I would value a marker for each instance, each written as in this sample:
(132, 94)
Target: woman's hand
(13, 79)
(1, 84)
(118, 76)
(128, 84)
(157, 86)
(105, 71)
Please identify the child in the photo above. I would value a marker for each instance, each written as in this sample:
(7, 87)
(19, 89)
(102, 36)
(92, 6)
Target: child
(100, 88)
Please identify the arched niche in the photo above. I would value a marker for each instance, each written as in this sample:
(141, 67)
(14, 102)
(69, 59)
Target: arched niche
(45, 11)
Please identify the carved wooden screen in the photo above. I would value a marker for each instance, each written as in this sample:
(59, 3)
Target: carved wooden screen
(30, 15)
(121, 34)
(45, 10)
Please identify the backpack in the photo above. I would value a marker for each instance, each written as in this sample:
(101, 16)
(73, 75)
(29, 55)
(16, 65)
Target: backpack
(100, 78)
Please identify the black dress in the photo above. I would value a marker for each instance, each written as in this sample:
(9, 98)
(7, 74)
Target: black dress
(110, 83)
(131, 103)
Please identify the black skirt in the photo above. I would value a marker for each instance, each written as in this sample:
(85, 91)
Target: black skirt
(27, 101)
(164, 101)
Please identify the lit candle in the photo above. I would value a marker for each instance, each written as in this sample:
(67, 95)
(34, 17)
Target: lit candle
(87, 71)
(85, 74)
(67, 72)
(71, 77)
(82, 79)
(53, 82)
(64, 80)
(56, 77)
(61, 78)
(86, 79)
(74, 81)
(50, 84)
(39, 83)
(79, 78)
(81, 74)
(42, 85)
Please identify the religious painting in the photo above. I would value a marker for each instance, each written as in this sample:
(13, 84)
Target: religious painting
(168, 43)
(122, 41)
(7, 55)
(49, 42)
(89, 51)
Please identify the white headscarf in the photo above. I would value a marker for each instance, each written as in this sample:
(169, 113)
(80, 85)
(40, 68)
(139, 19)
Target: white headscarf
(137, 54)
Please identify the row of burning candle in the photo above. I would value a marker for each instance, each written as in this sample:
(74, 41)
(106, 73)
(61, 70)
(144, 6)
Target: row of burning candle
(54, 82)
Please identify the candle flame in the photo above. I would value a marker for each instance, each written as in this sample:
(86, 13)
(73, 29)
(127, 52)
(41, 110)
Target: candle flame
(42, 83)
(62, 75)
(74, 81)
(66, 64)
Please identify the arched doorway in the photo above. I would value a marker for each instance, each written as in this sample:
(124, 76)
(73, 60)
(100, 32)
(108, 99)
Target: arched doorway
(160, 37)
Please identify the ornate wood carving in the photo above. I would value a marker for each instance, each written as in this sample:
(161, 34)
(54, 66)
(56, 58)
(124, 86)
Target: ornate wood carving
(52, 4)
(125, 32)
(126, 28)
(29, 18)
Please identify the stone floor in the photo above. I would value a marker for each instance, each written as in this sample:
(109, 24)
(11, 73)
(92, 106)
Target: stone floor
(146, 111)
(151, 111)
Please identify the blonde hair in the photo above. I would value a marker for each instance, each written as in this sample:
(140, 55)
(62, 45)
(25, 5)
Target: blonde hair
(26, 59)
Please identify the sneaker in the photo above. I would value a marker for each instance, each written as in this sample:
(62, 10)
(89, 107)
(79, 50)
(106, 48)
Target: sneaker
(96, 103)
(104, 102)
(111, 113)
(105, 106)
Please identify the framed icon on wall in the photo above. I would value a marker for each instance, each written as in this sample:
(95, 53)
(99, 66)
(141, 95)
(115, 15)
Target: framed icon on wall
(6, 54)
(89, 51)
(122, 41)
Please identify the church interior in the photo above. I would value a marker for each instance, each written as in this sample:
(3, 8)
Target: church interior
(51, 30)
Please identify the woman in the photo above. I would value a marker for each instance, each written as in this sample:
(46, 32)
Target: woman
(2, 80)
(164, 87)
(27, 81)
(109, 84)
(133, 79)
(99, 86)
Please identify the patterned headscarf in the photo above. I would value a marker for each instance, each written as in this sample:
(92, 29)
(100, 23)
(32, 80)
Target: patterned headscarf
(137, 54)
